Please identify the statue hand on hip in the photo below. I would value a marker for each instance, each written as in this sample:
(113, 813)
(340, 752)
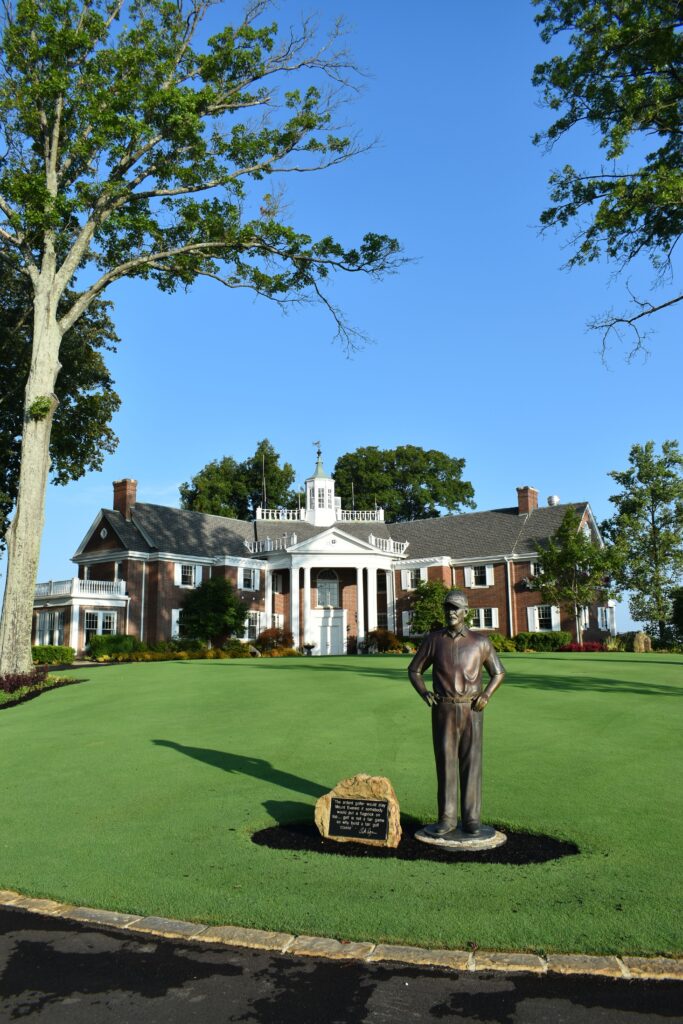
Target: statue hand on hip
(480, 702)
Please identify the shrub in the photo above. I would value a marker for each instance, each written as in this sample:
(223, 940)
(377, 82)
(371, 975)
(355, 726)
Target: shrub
(383, 640)
(12, 682)
(615, 643)
(588, 645)
(236, 649)
(283, 652)
(550, 641)
(113, 645)
(274, 638)
(53, 654)
(502, 643)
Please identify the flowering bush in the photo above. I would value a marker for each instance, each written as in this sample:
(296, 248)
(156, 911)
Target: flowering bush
(588, 646)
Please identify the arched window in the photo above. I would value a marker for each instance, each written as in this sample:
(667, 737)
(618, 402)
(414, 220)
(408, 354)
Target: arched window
(328, 589)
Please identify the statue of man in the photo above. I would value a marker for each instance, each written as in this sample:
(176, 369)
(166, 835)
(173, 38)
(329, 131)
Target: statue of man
(457, 656)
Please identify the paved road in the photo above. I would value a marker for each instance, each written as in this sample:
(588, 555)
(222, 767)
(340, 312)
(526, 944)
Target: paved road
(57, 971)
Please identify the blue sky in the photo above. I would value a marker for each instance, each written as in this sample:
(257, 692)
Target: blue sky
(480, 347)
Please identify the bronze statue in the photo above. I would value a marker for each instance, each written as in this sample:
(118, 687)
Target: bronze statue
(457, 655)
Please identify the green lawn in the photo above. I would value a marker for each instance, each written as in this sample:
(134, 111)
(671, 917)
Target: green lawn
(139, 790)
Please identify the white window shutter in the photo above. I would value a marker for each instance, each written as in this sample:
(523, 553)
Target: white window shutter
(405, 579)
(532, 619)
(240, 579)
(489, 575)
(256, 576)
(424, 574)
(494, 618)
(176, 574)
(468, 575)
(175, 622)
(555, 617)
(198, 575)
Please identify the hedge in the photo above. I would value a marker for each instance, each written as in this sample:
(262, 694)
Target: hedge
(52, 654)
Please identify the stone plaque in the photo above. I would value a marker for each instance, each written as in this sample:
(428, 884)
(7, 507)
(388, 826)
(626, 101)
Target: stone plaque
(361, 809)
(359, 819)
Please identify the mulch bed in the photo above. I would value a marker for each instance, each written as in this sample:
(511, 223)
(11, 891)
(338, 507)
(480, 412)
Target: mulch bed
(520, 848)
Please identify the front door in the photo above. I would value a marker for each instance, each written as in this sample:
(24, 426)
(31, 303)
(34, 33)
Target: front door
(330, 622)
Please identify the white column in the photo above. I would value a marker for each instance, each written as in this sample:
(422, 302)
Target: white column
(268, 598)
(294, 602)
(360, 605)
(307, 608)
(391, 601)
(74, 639)
(372, 598)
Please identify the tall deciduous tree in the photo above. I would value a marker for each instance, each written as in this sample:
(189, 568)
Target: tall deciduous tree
(226, 487)
(619, 72)
(81, 430)
(407, 482)
(573, 569)
(129, 149)
(647, 531)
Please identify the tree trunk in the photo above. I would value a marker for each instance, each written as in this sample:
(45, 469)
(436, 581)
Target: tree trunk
(26, 528)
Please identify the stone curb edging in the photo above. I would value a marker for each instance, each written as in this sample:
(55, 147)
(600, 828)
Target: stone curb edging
(631, 968)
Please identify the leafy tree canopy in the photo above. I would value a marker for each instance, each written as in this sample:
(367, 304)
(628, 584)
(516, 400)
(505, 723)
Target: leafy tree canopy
(427, 606)
(619, 72)
(213, 612)
(407, 482)
(226, 487)
(82, 434)
(573, 569)
(647, 531)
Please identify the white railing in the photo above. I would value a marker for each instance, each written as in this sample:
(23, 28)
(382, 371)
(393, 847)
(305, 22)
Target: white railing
(282, 515)
(262, 547)
(391, 547)
(346, 516)
(75, 588)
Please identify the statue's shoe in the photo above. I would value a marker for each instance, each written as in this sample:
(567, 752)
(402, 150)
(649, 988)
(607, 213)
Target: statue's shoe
(472, 828)
(441, 828)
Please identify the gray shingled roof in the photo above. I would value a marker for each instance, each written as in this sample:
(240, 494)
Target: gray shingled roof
(192, 533)
(475, 535)
(480, 534)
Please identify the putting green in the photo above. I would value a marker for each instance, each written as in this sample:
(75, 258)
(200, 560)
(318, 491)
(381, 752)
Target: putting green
(139, 791)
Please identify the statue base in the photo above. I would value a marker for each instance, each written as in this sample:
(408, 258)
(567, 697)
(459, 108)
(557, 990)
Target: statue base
(487, 839)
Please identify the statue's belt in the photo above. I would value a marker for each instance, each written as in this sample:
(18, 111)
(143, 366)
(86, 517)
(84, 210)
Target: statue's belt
(459, 698)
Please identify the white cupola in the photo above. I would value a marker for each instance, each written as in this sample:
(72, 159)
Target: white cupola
(321, 505)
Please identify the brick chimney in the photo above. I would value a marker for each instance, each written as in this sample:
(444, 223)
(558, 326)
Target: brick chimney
(125, 494)
(527, 500)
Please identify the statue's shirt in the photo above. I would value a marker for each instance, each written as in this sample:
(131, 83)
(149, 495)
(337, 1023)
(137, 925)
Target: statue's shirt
(456, 661)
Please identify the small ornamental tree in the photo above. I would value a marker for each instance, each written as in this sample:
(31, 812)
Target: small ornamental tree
(573, 570)
(213, 612)
(132, 146)
(427, 608)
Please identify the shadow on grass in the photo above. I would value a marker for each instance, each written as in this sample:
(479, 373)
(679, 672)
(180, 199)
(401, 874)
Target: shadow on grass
(238, 764)
(547, 681)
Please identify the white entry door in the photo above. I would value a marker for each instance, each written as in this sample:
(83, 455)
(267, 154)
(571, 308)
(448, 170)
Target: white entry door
(330, 631)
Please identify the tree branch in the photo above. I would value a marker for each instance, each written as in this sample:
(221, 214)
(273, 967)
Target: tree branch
(612, 324)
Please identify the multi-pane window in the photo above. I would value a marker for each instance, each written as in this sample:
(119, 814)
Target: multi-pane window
(99, 623)
(382, 621)
(415, 576)
(277, 582)
(484, 618)
(311, 497)
(603, 619)
(50, 628)
(248, 579)
(381, 583)
(186, 575)
(329, 497)
(252, 626)
(545, 616)
(479, 576)
(321, 497)
(328, 589)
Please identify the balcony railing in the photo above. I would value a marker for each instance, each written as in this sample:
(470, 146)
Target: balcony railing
(81, 588)
(391, 547)
(262, 547)
(347, 516)
(281, 515)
